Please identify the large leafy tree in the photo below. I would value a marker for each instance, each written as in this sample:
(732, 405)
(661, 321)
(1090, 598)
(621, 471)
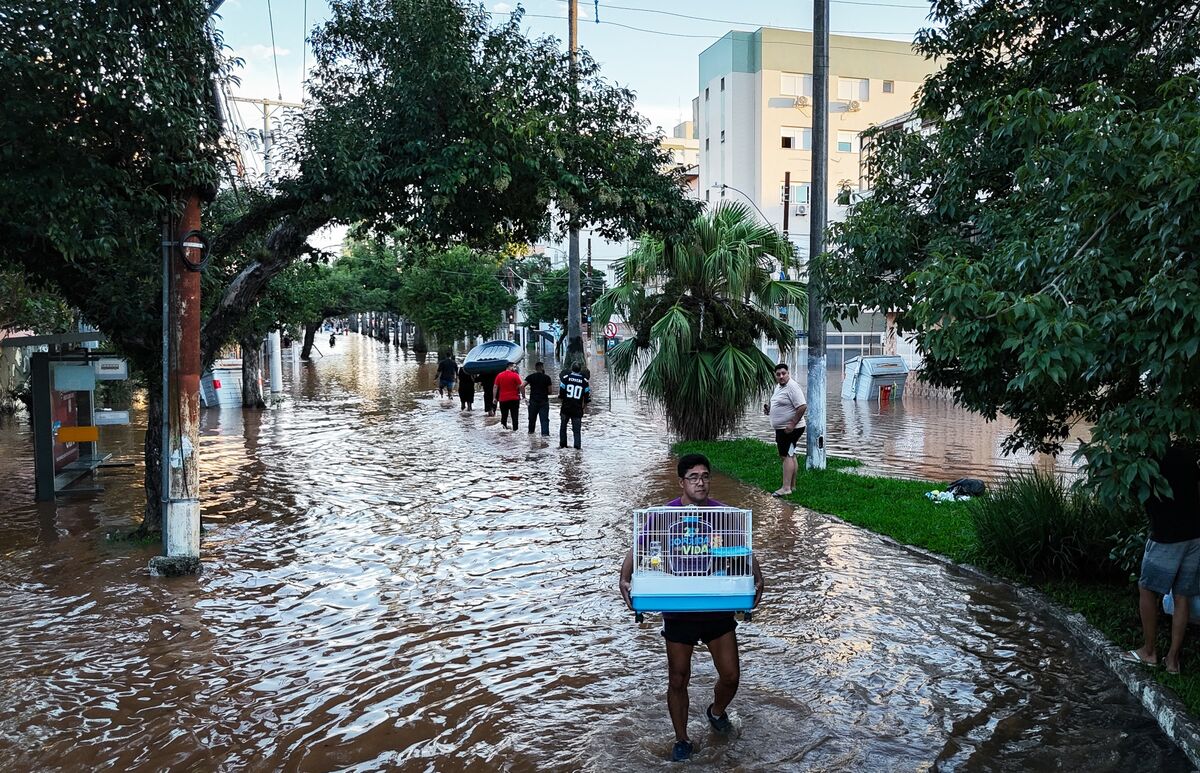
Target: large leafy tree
(420, 114)
(451, 294)
(699, 303)
(1041, 241)
(546, 298)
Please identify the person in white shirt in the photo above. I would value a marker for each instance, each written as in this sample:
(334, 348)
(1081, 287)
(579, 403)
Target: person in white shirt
(786, 409)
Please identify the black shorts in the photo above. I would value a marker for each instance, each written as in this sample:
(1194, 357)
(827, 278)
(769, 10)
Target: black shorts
(690, 629)
(784, 440)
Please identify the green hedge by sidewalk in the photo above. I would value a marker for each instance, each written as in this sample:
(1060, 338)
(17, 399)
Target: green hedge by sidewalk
(899, 509)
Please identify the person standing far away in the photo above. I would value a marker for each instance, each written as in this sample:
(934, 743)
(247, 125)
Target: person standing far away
(539, 398)
(573, 392)
(1171, 561)
(786, 409)
(683, 630)
(509, 391)
(466, 390)
(446, 369)
(487, 382)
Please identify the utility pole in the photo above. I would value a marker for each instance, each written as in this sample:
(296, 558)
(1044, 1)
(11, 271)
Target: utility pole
(274, 354)
(816, 238)
(574, 318)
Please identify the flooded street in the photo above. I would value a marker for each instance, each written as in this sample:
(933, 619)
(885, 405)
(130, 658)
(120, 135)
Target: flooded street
(392, 584)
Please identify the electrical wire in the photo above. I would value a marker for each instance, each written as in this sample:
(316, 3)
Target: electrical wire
(746, 23)
(304, 51)
(274, 51)
(718, 37)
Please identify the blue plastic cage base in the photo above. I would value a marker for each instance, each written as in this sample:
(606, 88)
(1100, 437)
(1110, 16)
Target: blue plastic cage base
(655, 603)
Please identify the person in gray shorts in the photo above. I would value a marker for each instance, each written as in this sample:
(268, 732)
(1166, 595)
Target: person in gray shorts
(1171, 562)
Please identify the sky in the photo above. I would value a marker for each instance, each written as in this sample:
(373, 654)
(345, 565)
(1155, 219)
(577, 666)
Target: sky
(658, 60)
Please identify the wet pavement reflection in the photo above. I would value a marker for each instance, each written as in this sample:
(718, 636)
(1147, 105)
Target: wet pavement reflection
(391, 583)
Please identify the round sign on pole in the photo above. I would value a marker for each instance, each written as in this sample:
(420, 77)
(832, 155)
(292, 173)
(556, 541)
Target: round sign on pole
(610, 330)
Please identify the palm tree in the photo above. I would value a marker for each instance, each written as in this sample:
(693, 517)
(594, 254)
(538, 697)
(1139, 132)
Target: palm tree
(699, 304)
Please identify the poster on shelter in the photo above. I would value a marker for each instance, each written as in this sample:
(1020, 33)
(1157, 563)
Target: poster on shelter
(65, 414)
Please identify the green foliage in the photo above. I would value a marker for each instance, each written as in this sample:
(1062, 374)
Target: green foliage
(104, 123)
(1043, 529)
(696, 338)
(546, 299)
(452, 294)
(25, 306)
(1042, 241)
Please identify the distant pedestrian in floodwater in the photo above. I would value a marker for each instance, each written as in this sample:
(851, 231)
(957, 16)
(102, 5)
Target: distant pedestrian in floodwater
(786, 409)
(539, 398)
(573, 393)
(332, 340)
(509, 391)
(487, 382)
(466, 390)
(445, 375)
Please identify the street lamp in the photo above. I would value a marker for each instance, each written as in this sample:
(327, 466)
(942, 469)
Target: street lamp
(723, 187)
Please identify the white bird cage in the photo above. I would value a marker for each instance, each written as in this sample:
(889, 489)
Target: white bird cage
(692, 559)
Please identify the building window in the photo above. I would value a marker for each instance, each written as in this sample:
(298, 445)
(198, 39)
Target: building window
(707, 193)
(795, 85)
(889, 87)
(722, 135)
(847, 142)
(706, 94)
(854, 88)
(706, 141)
(800, 193)
(795, 137)
(722, 84)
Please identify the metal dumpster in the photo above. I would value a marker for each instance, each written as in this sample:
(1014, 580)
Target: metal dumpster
(865, 378)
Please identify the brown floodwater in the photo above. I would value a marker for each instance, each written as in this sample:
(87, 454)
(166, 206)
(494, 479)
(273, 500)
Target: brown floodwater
(391, 584)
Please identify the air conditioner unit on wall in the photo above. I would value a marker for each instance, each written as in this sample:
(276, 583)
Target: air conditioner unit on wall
(801, 210)
(800, 101)
(853, 106)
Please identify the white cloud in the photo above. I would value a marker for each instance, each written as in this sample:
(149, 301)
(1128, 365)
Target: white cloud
(259, 51)
(502, 8)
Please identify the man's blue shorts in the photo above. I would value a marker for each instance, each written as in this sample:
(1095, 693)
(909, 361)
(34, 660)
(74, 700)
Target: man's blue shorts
(1171, 566)
(445, 384)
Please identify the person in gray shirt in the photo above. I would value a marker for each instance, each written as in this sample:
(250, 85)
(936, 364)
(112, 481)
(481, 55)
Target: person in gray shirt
(786, 409)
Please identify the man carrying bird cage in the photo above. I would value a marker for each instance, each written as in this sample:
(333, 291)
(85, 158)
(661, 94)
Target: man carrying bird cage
(683, 630)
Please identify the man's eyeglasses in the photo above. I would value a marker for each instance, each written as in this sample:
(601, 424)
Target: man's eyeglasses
(703, 477)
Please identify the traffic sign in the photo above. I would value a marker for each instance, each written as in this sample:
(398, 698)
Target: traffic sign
(610, 330)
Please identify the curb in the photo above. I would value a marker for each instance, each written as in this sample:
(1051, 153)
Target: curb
(1167, 710)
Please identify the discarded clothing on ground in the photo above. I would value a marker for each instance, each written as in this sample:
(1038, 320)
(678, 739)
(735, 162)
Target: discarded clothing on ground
(970, 487)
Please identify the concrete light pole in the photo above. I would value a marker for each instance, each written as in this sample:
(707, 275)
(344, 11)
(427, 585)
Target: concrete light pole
(816, 237)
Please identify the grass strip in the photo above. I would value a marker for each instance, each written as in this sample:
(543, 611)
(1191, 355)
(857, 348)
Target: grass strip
(899, 509)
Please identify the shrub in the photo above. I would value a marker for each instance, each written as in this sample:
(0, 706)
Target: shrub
(1037, 525)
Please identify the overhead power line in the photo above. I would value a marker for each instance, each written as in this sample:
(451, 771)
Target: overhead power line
(718, 37)
(274, 49)
(741, 23)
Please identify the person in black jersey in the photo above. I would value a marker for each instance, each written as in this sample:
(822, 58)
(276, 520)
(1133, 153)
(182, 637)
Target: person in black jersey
(539, 397)
(573, 393)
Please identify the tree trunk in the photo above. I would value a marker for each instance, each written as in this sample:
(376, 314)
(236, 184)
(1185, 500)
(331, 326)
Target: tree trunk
(310, 334)
(152, 481)
(419, 344)
(404, 334)
(252, 389)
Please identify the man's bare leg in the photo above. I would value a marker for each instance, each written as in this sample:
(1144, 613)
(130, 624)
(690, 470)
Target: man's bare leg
(724, 652)
(789, 475)
(1148, 610)
(679, 672)
(1179, 622)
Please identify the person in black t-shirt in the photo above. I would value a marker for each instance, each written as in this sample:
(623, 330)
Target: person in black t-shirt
(539, 397)
(573, 392)
(446, 371)
(1171, 562)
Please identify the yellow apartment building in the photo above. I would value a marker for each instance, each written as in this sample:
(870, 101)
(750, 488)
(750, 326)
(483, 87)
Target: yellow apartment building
(754, 115)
